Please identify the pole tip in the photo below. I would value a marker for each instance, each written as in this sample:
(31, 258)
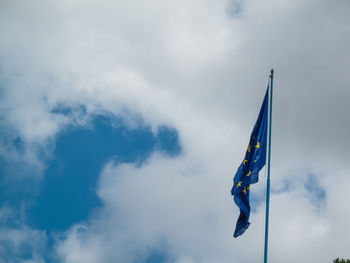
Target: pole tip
(272, 71)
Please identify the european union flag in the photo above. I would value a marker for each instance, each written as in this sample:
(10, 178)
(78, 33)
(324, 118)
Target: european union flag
(248, 171)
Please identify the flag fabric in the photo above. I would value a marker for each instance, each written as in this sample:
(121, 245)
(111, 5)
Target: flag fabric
(248, 171)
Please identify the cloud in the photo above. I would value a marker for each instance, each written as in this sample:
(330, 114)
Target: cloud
(198, 67)
(18, 242)
(165, 203)
(181, 207)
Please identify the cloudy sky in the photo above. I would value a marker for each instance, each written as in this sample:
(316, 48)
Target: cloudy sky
(123, 122)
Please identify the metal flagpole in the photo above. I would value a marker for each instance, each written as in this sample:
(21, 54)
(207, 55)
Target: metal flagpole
(268, 172)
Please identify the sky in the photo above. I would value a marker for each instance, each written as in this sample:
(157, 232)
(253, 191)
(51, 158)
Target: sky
(122, 124)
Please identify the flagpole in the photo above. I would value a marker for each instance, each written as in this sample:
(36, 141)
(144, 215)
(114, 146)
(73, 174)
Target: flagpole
(268, 172)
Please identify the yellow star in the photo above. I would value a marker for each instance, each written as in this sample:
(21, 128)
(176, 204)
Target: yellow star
(239, 184)
(244, 191)
(249, 173)
(257, 145)
(248, 148)
(256, 159)
(248, 187)
(244, 162)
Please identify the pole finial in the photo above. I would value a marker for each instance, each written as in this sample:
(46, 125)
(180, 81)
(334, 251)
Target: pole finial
(272, 71)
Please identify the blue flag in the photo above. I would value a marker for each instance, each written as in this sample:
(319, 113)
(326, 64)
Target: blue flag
(248, 171)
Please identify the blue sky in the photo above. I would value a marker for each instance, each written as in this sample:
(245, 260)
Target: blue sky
(122, 124)
(67, 194)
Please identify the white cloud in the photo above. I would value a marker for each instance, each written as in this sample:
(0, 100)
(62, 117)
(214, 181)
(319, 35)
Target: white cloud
(171, 203)
(191, 65)
(182, 205)
(18, 242)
